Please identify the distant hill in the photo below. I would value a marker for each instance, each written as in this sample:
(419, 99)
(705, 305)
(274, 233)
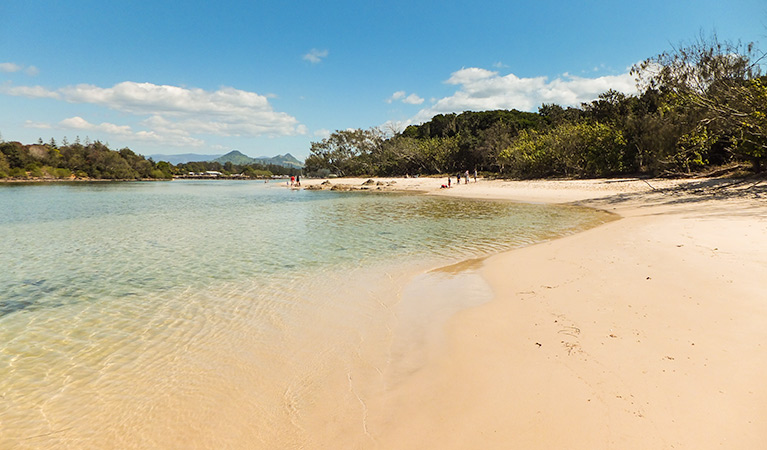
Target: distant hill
(286, 160)
(235, 157)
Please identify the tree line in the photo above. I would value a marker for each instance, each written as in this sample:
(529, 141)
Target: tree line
(91, 160)
(699, 106)
(254, 170)
(97, 161)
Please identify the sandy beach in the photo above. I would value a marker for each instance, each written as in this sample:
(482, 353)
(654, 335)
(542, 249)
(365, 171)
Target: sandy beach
(645, 332)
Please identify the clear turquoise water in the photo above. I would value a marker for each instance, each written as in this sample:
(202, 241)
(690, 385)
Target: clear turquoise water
(130, 311)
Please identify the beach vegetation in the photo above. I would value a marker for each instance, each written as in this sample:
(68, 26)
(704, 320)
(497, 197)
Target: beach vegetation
(719, 88)
(62, 173)
(17, 172)
(4, 167)
(94, 160)
(571, 149)
(346, 152)
(698, 106)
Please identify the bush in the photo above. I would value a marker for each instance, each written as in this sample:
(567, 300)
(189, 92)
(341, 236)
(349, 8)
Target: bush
(17, 172)
(62, 173)
(160, 175)
(570, 149)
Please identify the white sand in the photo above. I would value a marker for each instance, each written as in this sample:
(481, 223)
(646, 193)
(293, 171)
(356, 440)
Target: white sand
(646, 332)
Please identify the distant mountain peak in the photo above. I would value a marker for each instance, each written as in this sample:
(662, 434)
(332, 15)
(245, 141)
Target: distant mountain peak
(235, 157)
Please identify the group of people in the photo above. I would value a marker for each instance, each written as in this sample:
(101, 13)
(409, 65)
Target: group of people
(458, 179)
(295, 181)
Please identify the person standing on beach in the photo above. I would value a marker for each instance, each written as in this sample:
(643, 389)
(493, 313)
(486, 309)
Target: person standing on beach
(448, 181)
(458, 179)
(475, 174)
(466, 179)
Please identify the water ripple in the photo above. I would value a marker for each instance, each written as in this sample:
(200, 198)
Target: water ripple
(142, 308)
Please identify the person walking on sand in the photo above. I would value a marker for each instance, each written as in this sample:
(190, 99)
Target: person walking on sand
(466, 179)
(448, 181)
(475, 174)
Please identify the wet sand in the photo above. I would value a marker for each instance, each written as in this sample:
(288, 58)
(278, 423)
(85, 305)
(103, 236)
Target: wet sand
(646, 332)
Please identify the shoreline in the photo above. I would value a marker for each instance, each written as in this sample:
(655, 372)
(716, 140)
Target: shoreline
(644, 332)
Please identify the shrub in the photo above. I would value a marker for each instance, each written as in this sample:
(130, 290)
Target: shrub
(62, 173)
(17, 172)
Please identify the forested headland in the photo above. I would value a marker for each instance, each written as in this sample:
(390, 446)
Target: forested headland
(700, 106)
(95, 160)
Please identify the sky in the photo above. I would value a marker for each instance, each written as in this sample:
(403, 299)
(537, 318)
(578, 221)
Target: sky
(271, 77)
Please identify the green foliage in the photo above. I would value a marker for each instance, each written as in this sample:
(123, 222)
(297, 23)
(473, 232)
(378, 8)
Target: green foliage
(346, 153)
(4, 167)
(257, 170)
(35, 172)
(62, 173)
(570, 149)
(473, 139)
(700, 105)
(94, 160)
(719, 89)
(17, 172)
(252, 172)
(162, 170)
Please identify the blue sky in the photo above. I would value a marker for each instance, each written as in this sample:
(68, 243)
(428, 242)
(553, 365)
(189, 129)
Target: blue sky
(270, 77)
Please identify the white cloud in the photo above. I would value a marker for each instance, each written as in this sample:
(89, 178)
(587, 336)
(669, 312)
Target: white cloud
(28, 91)
(316, 56)
(172, 112)
(13, 67)
(10, 67)
(481, 89)
(399, 95)
(41, 125)
(322, 133)
(402, 96)
(78, 123)
(412, 99)
(160, 137)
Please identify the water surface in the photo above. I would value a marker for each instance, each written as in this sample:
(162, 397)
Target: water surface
(215, 313)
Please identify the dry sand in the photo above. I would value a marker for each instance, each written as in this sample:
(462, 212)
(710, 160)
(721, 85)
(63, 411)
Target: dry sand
(646, 332)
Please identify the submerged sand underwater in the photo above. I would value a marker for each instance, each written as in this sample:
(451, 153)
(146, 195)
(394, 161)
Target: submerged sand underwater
(230, 314)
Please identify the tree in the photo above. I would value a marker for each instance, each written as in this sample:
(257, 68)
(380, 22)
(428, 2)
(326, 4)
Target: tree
(572, 149)
(345, 153)
(720, 85)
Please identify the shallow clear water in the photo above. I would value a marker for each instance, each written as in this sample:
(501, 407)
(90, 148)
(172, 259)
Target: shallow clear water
(214, 313)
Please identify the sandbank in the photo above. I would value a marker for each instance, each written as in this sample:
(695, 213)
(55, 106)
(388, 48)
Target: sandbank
(645, 332)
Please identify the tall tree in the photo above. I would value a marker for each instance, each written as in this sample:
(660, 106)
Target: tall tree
(720, 85)
(346, 152)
